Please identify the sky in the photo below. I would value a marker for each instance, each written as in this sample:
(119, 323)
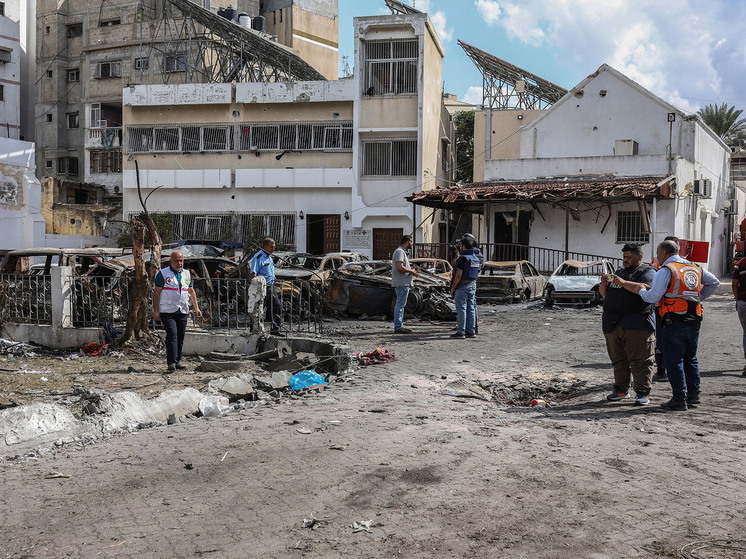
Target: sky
(689, 52)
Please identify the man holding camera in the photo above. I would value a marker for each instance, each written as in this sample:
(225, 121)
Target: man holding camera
(628, 324)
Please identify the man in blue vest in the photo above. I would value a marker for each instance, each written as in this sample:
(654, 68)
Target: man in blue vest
(173, 291)
(464, 290)
(628, 324)
(262, 265)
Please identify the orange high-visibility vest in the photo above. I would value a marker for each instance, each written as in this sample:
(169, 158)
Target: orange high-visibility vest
(684, 288)
(655, 265)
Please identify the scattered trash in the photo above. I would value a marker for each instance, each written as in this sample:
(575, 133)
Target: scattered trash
(380, 355)
(362, 526)
(224, 455)
(538, 403)
(94, 349)
(214, 406)
(304, 379)
(188, 466)
(304, 431)
(43, 379)
(464, 389)
(338, 447)
(311, 523)
(55, 475)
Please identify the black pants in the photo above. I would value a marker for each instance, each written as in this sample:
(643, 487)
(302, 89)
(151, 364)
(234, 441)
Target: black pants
(273, 308)
(175, 324)
(659, 342)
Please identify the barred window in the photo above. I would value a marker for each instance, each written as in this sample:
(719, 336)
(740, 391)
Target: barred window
(325, 136)
(106, 161)
(391, 66)
(390, 157)
(175, 62)
(74, 30)
(141, 63)
(73, 75)
(106, 70)
(629, 228)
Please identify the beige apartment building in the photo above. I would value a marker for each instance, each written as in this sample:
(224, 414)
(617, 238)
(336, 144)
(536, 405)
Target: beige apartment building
(320, 165)
(86, 56)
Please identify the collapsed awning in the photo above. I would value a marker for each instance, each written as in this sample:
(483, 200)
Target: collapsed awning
(473, 197)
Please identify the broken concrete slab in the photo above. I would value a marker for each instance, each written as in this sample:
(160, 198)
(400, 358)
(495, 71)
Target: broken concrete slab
(235, 387)
(277, 381)
(38, 422)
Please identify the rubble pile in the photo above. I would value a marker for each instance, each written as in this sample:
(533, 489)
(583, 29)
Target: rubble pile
(521, 390)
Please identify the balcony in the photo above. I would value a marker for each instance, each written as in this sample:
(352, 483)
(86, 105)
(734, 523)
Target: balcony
(103, 138)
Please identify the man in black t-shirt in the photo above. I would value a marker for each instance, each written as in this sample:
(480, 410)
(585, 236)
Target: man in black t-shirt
(628, 324)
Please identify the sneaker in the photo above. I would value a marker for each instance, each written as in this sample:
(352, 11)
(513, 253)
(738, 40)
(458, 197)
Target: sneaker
(674, 405)
(693, 400)
(661, 376)
(472, 335)
(403, 331)
(180, 366)
(458, 336)
(615, 396)
(642, 400)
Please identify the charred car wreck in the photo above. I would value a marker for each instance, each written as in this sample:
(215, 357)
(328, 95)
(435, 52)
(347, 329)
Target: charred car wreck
(364, 288)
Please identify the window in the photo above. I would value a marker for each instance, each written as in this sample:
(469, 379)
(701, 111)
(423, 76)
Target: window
(110, 22)
(106, 161)
(49, 73)
(47, 29)
(74, 30)
(166, 139)
(5, 55)
(2, 8)
(95, 115)
(629, 228)
(49, 163)
(390, 157)
(49, 117)
(391, 67)
(73, 75)
(216, 138)
(175, 62)
(141, 63)
(139, 139)
(61, 165)
(2, 92)
(109, 70)
(72, 166)
(73, 120)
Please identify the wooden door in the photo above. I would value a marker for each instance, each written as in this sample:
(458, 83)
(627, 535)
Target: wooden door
(332, 231)
(385, 241)
(323, 233)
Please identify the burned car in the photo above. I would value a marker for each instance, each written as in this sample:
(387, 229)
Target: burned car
(364, 288)
(576, 283)
(509, 282)
(314, 267)
(437, 266)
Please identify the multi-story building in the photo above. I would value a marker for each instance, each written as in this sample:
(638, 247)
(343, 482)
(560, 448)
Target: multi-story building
(85, 57)
(10, 76)
(320, 165)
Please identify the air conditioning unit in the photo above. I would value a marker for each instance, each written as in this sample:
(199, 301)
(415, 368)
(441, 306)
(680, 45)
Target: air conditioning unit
(702, 187)
(625, 147)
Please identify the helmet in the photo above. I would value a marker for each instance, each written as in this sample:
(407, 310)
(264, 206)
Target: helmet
(468, 236)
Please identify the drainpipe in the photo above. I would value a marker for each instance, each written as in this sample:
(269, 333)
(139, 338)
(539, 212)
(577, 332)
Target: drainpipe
(567, 232)
(654, 228)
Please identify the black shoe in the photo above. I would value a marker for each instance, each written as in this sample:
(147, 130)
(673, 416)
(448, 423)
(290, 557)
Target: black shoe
(403, 331)
(171, 368)
(661, 376)
(674, 405)
(180, 366)
(473, 335)
(458, 336)
(693, 400)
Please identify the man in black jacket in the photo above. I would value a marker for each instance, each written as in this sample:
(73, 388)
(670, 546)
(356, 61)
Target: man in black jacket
(628, 324)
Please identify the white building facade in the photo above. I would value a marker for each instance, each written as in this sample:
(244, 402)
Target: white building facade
(10, 78)
(21, 222)
(610, 126)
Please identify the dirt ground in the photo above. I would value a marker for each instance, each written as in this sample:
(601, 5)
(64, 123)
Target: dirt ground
(422, 474)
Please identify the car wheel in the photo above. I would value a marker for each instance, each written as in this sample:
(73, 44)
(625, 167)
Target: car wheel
(525, 295)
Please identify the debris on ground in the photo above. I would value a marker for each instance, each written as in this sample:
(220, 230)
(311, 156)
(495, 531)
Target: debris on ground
(214, 406)
(465, 389)
(376, 357)
(311, 523)
(56, 475)
(94, 349)
(362, 526)
(304, 379)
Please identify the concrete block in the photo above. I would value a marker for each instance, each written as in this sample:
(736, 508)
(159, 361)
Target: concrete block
(220, 366)
(277, 381)
(235, 388)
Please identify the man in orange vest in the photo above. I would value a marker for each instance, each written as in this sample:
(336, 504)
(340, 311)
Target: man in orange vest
(680, 286)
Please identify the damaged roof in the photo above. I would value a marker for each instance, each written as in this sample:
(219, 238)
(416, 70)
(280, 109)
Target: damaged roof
(472, 197)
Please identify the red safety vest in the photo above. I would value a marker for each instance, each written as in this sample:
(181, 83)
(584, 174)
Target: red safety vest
(684, 288)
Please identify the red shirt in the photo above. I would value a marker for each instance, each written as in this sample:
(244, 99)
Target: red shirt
(739, 273)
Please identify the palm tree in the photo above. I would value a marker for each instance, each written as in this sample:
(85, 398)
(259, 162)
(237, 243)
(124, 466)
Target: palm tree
(725, 123)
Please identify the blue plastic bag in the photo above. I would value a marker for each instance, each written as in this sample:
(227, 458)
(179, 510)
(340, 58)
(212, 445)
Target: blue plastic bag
(305, 379)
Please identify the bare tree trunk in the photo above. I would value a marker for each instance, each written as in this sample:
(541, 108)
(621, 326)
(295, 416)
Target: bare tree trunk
(142, 284)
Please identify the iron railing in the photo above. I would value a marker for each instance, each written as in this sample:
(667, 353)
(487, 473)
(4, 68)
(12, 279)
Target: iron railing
(301, 304)
(97, 301)
(26, 299)
(546, 260)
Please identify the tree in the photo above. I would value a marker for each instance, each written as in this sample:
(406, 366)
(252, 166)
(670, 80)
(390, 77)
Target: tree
(464, 122)
(725, 122)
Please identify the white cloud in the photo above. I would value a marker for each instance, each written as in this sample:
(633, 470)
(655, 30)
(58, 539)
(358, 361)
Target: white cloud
(439, 23)
(489, 10)
(688, 52)
(473, 95)
(422, 5)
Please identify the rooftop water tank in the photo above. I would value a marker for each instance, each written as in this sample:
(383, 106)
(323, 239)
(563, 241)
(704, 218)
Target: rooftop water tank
(230, 13)
(244, 20)
(259, 23)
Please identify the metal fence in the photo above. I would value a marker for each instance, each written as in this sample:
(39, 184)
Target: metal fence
(545, 260)
(301, 306)
(97, 301)
(26, 299)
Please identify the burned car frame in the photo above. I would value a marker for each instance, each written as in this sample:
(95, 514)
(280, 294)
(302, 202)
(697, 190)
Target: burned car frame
(509, 282)
(576, 283)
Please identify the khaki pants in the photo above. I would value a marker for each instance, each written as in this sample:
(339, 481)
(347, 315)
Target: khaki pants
(632, 354)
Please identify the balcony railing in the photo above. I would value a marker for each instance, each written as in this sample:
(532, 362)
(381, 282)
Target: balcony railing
(104, 138)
